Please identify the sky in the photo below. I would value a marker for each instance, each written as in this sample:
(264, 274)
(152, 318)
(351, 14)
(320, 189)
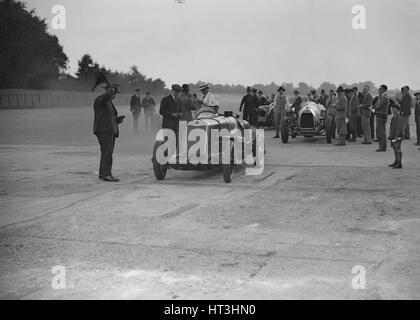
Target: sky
(245, 41)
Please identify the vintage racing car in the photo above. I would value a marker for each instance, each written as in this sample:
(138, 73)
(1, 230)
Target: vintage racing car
(311, 120)
(206, 120)
(266, 115)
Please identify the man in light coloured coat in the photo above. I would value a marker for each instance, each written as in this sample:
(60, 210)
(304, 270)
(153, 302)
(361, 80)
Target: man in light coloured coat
(366, 104)
(341, 116)
(353, 114)
(279, 110)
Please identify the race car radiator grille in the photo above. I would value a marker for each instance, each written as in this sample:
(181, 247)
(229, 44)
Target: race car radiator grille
(306, 120)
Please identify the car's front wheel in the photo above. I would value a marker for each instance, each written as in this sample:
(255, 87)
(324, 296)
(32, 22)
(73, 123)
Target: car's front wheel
(228, 168)
(158, 169)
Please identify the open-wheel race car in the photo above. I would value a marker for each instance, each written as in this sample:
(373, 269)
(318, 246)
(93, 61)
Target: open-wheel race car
(266, 115)
(231, 136)
(311, 120)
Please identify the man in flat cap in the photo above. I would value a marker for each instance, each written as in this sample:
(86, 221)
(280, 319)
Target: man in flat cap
(170, 109)
(381, 113)
(396, 135)
(135, 108)
(405, 110)
(105, 127)
(417, 117)
(279, 110)
(341, 116)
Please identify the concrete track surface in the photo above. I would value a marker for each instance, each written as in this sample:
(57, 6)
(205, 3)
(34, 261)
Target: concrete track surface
(294, 232)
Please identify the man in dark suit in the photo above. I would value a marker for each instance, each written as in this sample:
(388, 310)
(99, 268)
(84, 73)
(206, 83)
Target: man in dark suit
(247, 105)
(296, 104)
(372, 119)
(323, 98)
(405, 110)
(359, 119)
(417, 117)
(255, 103)
(170, 109)
(262, 101)
(135, 108)
(105, 127)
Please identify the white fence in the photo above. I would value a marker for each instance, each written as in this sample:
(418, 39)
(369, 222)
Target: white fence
(20, 98)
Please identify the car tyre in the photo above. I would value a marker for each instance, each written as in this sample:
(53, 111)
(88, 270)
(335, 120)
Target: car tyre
(158, 169)
(228, 169)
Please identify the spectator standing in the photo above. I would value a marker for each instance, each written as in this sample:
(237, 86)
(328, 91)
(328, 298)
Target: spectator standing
(135, 108)
(148, 105)
(365, 107)
(340, 117)
(381, 112)
(405, 110)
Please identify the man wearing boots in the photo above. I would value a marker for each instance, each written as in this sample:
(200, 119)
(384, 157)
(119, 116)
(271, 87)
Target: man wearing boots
(396, 135)
(381, 113)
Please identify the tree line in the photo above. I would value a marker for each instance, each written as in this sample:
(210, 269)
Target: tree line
(31, 58)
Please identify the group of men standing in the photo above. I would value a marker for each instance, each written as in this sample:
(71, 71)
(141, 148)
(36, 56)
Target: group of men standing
(354, 115)
(139, 103)
(181, 105)
(250, 103)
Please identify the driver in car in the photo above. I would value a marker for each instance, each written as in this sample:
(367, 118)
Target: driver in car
(209, 100)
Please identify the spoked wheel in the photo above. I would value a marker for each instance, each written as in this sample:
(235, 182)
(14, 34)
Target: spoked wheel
(158, 169)
(228, 169)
